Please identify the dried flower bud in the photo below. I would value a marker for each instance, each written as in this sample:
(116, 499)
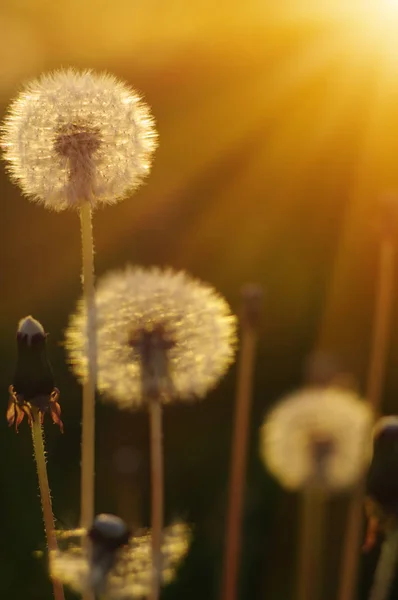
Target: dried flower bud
(318, 438)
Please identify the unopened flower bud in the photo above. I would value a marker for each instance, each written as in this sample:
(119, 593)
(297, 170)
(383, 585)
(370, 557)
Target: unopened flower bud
(33, 381)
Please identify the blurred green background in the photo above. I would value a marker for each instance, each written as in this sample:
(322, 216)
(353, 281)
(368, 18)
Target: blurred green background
(278, 135)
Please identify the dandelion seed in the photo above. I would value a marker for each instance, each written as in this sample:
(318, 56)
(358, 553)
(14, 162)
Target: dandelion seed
(318, 438)
(116, 563)
(157, 331)
(72, 136)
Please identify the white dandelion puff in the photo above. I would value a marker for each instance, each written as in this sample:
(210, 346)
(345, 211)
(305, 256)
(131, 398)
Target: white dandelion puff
(164, 326)
(116, 563)
(318, 437)
(75, 136)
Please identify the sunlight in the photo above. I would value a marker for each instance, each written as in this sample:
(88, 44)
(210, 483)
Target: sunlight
(389, 5)
(385, 10)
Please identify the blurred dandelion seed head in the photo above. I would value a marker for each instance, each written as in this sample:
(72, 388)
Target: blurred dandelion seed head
(29, 327)
(72, 136)
(186, 321)
(318, 437)
(130, 573)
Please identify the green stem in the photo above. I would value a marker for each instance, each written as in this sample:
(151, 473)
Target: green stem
(88, 425)
(386, 567)
(45, 494)
(88, 420)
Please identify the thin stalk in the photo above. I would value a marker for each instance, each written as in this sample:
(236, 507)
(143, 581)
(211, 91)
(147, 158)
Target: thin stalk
(45, 494)
(312, 523)
(88, 419)
(240, 442)
(155, 410)
(88, 425)
(375, 382)
(386, 567)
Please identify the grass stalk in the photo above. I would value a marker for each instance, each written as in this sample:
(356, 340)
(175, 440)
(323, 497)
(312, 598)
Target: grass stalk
(45, 494)
(386, 567)
(374, 391)
(249, 322)
(312, 521)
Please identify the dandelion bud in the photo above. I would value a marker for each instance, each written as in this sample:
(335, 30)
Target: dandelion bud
(318, 438)
(107, 535)
(381, 502)
(33, 375)
(76, 136)
(382, 479)
(33, 382)
(29, 328)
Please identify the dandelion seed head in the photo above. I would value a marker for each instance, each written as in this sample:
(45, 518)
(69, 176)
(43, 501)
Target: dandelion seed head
(72, 136)
(130, 575)
(29, 327)
(318, 437)
(157, 311)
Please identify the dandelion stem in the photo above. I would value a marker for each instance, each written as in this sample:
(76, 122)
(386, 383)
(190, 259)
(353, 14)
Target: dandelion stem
(45, 494)
(249, 323)
(155, 409)
(88, 421)
(311, 544)
(381, 328)
(88, 426)
(386, 567)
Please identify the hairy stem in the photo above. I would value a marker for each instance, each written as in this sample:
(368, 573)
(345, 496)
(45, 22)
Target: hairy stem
(88, 424)
(155, 409)
(45, 494)
(381, 328)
